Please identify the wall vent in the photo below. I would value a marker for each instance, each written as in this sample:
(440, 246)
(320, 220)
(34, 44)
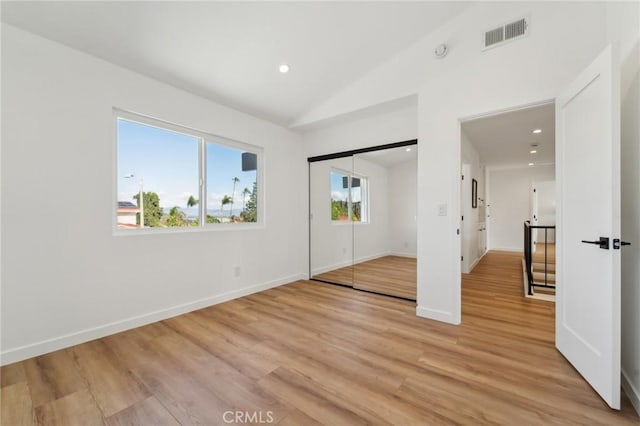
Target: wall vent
(504, 33)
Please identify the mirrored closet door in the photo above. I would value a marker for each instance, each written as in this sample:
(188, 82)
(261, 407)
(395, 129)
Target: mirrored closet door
(385, 240)
(331, 231)
(363, 219)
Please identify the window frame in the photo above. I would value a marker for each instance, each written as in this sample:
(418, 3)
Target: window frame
(364, 199)
(364, 196)
(204, 138)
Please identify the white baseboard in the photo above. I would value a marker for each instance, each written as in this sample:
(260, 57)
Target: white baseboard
(346, 263)
(509, 249)
(39, 348)
(631, 391)
(327, 268)
(437, 315)
(475, 262)
(403, 254)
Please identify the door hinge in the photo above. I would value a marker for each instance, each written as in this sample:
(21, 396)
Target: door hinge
(462, 258)
(462, 217)
(458, 231)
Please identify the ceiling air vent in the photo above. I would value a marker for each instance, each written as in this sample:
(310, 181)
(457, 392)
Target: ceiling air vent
(511, 31)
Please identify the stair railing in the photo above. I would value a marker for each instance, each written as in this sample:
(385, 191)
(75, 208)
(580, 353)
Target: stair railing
(528, 255)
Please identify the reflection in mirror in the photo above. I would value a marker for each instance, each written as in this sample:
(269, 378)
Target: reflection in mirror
(362, 220)
(332, 212)
(385, 244)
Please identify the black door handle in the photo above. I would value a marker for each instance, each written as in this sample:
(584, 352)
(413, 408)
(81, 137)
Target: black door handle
(603, 242)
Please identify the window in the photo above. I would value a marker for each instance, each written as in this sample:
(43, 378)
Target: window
(349, 194)
(185, 179)
(231, 182)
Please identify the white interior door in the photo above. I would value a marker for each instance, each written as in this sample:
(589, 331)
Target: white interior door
(588, 189)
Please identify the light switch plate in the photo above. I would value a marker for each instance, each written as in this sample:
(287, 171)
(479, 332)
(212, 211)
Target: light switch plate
(442, 209)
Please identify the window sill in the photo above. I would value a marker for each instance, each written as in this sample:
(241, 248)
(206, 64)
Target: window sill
(189, 230)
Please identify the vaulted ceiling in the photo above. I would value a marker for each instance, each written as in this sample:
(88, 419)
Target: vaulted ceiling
(230, 52)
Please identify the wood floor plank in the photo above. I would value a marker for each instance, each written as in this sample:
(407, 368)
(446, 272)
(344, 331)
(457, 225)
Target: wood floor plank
(76, 409)
(181, 394)
(310, 398)
(313, 353)
(147, 412)
(238, 393)
(112, 386)
(16, 408)
(52, 376)
(244, 360)
(12, 374)
(298, 418)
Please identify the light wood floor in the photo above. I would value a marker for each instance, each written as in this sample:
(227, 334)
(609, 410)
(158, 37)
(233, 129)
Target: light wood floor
(392, 275)
(311, 353)
(339, 276)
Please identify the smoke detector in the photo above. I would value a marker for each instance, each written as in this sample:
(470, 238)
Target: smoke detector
(441, 51)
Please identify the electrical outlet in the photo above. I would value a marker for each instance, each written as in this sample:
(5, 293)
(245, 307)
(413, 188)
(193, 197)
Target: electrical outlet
(236, 271)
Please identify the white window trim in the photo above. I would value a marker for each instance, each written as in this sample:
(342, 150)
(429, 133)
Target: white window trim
(351, 175)
(364, 197)
(204, 138)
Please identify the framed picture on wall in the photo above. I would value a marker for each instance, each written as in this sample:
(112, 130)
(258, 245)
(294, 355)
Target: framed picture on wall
(474, 193)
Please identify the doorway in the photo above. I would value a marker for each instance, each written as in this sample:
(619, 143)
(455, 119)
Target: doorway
(506, 156)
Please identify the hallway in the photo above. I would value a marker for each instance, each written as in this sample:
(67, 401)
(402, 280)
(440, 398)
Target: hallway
(521, 333)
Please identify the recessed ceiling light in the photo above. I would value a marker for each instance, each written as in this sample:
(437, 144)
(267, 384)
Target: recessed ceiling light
(536, 131)
(533, 151)
(284, 68)
(408, 149)
(531, 164)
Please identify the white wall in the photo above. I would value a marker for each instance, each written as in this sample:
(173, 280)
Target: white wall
(510, 201)
(394, 124)
(546, 199)
(546, 191)
(470, 82)
(403, 200)
(473, 218)
(66, 278)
